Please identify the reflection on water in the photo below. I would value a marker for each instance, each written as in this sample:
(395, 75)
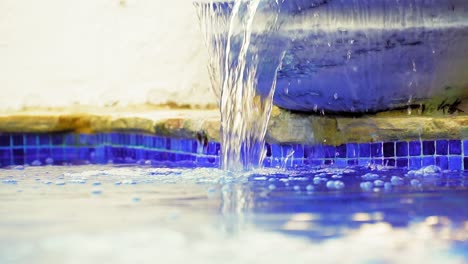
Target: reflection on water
(120, 214)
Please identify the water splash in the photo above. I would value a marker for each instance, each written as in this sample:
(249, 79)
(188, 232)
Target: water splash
(237, 36)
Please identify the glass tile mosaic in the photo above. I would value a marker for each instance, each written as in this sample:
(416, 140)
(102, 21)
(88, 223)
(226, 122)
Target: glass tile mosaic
(69, 148)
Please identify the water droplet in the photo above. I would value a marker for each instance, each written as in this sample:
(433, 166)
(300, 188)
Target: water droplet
(271, 187)
(96, 183)
(335, 96)
(310, 188)
(60, 183)
(297, 188)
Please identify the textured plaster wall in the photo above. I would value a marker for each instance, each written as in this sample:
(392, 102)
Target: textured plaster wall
(61, 52)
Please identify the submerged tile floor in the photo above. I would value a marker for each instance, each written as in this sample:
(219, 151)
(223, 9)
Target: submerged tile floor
(102, 148)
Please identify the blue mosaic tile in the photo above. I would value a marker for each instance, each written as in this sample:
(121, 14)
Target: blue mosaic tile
(18, 156)
(376, 149)
(442, 162)
(426, 161)
(57, 139)
(44, 139)
(267, 162)
(402, 162)
(428, 147)
(298, 151)
(352, 150)
(276, 151)
(314, 152)
(389, 162)
(17, 140)
(31, 140)
(364, 162)
(31, 155)
(159, 142)
(441, 147)
(415, 148)
(465, 149)
(455, 163)
(455, 147)
(415, 163)
(4, 140)
(268, 150)
(341, 162)
(401, 149)
(132, 148)
(389, 149)
(168, 143)
(44, 153)
(341, 151)
(364, 150)
(5, 154)
(297, 162)
(329, 152)
(313, 162)
(275, 162)
(286, 150)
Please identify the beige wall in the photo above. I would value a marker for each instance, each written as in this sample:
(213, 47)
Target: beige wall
(60, 52)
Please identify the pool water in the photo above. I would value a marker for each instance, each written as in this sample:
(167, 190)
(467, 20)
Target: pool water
(147, 214)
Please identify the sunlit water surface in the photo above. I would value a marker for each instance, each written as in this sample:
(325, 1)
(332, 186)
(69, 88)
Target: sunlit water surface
(112, 214)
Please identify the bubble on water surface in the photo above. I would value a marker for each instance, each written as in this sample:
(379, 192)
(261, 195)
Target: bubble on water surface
(379, 183)
(96, 192)
(271, 187)
(317, 180)
(415, 183)
(49, 161)
(396, 180)
(9, 181)
(367, 186)
(36, 163)
(370, 177)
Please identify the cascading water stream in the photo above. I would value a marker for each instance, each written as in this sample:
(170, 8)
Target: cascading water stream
(237, 38)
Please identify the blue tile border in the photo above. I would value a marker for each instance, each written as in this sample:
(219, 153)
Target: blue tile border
(70, 148)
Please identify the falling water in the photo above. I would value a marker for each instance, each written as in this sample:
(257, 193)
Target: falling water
(237, 37)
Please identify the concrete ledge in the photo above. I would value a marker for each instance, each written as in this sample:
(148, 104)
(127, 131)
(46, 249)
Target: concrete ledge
(284, 127)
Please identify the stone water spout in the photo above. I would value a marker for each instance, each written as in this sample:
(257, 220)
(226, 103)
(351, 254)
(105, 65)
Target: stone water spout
(368, 55)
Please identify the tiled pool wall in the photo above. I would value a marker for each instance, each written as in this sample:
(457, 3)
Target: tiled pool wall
(128, 148)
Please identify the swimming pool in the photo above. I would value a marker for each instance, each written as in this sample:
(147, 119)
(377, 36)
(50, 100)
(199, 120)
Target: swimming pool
(169, 202)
